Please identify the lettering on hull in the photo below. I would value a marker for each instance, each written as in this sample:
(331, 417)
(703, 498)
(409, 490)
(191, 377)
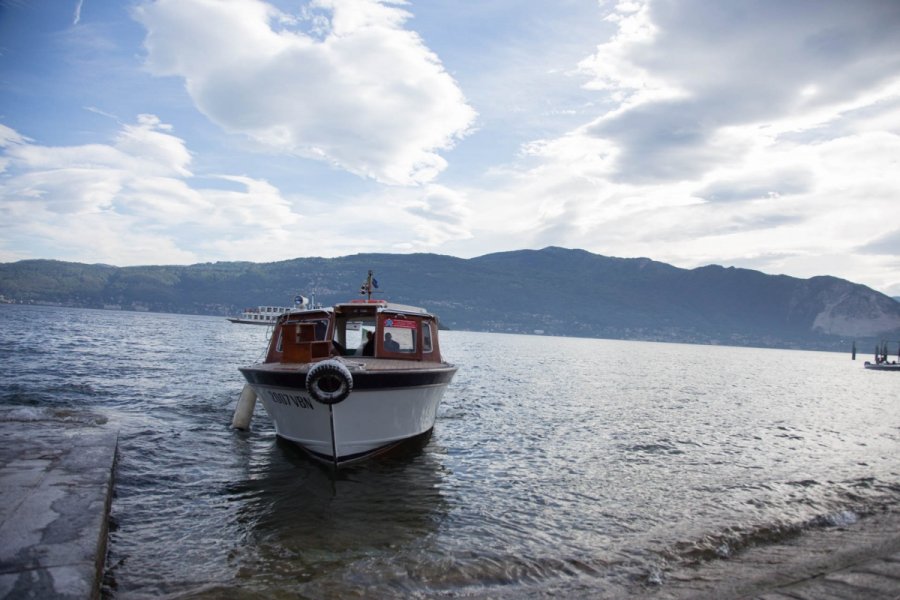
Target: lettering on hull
(298, 400)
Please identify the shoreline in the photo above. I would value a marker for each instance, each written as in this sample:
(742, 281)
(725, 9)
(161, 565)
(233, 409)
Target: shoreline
(858, 560)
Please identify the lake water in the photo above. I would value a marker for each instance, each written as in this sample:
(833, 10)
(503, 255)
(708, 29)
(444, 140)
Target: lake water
(558, 466)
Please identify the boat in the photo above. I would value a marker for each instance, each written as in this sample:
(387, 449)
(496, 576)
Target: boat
(352, 380)
(881, 359)
(889, 366)
(262, 315)
(266, 315)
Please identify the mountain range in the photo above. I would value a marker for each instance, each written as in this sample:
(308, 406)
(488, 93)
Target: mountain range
(553, 291)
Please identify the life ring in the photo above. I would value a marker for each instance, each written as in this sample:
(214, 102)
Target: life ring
(329, 382)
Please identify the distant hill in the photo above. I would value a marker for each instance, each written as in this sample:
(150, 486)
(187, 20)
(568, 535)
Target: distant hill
(555, 291)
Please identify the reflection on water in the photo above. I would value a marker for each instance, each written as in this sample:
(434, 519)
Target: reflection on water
(559, 466)
(314, 524)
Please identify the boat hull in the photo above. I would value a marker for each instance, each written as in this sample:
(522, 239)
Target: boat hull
(382, 411)
(249, 322)
(882, 366)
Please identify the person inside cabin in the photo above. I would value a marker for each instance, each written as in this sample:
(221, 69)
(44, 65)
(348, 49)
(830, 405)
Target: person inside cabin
(391, 344)
(369, 347)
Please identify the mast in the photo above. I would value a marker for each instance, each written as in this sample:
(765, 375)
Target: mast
(370, 284)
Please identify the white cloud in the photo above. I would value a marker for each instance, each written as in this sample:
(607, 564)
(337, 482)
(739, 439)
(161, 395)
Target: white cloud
(9, 136)
(127, 201)
(358, 91)
(760, 134)
(440, 214)
(731, 64)
(136, 200)
(614, 67)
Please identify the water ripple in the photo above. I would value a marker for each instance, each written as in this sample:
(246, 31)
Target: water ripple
(558, 467)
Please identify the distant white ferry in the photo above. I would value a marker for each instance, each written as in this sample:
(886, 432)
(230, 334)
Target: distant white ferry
(268, 315)
(261, 315)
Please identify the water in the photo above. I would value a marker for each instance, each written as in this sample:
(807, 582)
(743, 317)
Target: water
(558, 466)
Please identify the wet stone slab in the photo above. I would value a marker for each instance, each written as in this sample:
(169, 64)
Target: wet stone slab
(56, 478)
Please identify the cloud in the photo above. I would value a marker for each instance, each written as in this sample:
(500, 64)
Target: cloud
(123, 202)
(729, 133)
(778, 200)
(885, 244)
(137, 197)
(687, 70)
(442, 214)
(763, 133)
(766, 184)
(356, 89)
(9, 136)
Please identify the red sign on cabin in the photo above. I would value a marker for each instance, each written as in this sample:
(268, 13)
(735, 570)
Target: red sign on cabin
(400, 324)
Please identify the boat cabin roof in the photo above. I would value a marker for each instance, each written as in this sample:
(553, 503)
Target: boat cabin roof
(380, 306)
(363, 307)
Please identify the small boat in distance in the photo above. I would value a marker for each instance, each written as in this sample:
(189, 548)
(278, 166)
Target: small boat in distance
(881, 359)
(352, 380)
(266, 315)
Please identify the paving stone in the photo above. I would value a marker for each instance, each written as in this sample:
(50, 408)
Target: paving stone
(56, 478)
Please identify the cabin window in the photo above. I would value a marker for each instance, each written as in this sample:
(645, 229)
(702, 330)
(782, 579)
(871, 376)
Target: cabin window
(399, 335)
(354, 337)
(321, 329)
(426, 338)
(354, 331)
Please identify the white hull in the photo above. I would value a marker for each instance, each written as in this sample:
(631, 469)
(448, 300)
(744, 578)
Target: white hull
(262, 315)
(269, 322)
(884, 366)
(366, 422)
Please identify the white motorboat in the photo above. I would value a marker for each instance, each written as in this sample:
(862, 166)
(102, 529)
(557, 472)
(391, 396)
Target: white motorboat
(351, 380)
(883, 366)
(882, 363)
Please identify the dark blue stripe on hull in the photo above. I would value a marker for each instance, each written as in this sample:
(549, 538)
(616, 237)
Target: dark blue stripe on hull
(362, 380)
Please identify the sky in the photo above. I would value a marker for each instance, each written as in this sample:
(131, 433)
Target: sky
(762, 134)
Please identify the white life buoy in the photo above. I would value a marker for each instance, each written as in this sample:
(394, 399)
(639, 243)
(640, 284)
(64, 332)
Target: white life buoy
(329, 382)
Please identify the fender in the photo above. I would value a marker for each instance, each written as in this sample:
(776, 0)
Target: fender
(329, 382)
